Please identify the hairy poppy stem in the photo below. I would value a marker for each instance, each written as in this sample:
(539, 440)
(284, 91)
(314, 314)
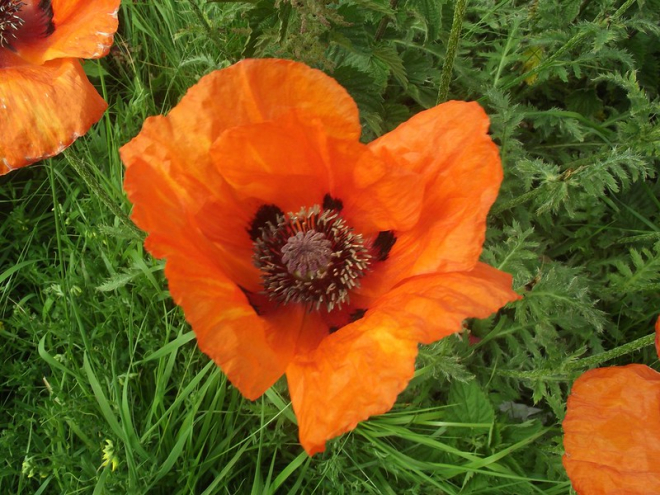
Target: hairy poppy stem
(452, 47)
(580, 365)
(622, 350)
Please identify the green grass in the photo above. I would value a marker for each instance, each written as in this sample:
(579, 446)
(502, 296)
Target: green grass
(95, 351)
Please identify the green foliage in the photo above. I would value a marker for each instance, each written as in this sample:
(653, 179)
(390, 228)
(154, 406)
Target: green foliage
(102, 389)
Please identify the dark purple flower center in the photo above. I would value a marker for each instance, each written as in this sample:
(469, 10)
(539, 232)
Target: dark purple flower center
(311, 257)
(307, 254)
(10, 20)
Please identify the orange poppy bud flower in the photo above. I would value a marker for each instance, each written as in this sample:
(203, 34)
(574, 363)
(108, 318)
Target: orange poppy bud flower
(46, 101)
(612, 431)
(295, 249)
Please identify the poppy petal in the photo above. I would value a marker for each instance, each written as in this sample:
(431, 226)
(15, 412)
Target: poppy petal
(180, 211)
(249, 92)
(275, 163)
(612, 431)
(43, 110)
(81, 29)
(376, 195)
(354, 373)
(252, 350)
(434, 306)
(450, 147)
(291, 164)
(252, 92)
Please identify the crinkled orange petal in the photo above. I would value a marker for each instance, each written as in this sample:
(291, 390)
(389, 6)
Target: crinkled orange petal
(83, 29)
(612, 432)
(252, 92)
(176, 207)
(657, 336)
(450, 147)
(434, 306)
(354, 373)
(252, 350)
(273, 163)
(43, 109)
(376, 196)
(291, 164)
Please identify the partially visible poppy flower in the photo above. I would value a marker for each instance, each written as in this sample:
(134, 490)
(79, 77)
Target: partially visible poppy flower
(46, 101)
(612, 430)
(295, 249)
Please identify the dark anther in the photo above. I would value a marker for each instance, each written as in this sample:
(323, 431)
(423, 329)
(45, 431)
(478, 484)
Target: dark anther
(265, 214)
(383, 244)
(330, 203)
(47, 13)
(357, 314)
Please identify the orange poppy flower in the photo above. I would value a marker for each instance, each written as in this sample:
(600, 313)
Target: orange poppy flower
(46, 101)
(295, 249)
(612, 431)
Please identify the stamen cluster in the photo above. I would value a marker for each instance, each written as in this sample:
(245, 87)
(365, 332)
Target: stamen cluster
(310, 257)
(9, 20)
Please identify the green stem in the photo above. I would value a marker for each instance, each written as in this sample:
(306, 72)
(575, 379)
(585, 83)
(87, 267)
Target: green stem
(582, 364)
(452, 48)
(592, 361)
